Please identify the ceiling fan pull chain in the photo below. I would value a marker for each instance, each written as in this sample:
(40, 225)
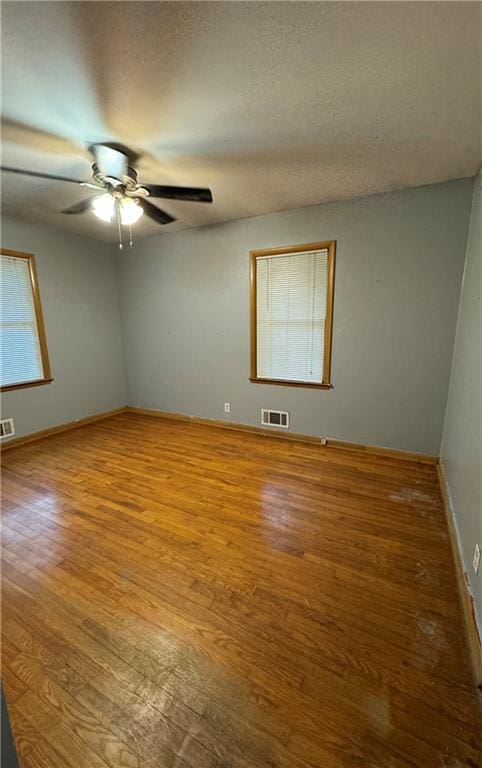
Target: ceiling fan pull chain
(119, 227)
(130, 236)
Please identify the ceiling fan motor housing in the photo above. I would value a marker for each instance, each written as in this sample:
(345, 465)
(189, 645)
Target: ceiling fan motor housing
(128, 179)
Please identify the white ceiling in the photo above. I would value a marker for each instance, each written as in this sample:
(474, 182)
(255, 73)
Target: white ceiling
(273, 105)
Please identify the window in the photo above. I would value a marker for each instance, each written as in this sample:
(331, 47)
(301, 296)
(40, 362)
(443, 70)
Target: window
(24, 358)
(292, 314)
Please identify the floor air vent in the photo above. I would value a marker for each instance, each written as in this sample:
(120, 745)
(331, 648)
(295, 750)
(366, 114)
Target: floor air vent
(6, 428)
(275, 418)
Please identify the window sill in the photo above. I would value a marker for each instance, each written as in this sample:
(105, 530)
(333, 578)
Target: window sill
(25, 384)
(311, 385)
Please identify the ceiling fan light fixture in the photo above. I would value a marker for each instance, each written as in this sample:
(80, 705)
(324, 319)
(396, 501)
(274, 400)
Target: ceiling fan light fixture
(103, 207)
(130, 211)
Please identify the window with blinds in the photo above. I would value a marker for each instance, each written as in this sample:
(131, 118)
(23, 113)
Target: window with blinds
(291, 314)
(24, 359)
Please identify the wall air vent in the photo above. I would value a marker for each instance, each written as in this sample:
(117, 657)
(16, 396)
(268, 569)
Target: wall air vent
(7, 428)
(271, 418)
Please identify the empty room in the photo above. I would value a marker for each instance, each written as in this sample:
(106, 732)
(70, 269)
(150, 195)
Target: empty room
(240, 432)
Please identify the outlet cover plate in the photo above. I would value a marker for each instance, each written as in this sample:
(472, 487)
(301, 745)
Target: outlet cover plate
(476, 560)
(227, 407)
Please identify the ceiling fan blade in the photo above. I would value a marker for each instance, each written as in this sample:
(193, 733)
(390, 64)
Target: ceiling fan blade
(161, 217)
(110, 159)
(79, 207)
(90, 185)
(196, 194)
(39, 175)
(25, 135)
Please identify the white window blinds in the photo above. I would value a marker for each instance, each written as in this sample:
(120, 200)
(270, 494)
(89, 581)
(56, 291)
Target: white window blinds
(21, 359)
(291, 301)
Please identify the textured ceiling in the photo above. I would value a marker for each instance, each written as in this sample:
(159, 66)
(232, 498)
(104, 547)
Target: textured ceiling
(272, 105)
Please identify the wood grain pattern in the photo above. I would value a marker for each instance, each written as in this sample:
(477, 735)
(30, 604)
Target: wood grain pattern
(378, 450)
(179, 596)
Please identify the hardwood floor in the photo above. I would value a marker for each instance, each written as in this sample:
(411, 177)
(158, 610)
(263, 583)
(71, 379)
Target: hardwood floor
(179, 596)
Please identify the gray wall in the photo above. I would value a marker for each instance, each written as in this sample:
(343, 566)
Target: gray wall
(78, 279)
(461, 445)
(185, 314)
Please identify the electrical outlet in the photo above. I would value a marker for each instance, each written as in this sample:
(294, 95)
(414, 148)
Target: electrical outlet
(227, 407)
(476, 560)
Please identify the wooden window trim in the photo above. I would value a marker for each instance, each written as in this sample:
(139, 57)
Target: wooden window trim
(47, 377)
(330, 246)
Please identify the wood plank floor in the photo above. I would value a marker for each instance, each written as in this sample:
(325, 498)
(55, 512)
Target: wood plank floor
(179, 596)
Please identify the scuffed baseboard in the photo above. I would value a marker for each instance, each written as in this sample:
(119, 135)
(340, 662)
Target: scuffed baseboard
(15, 441)
(329, 442)
(466, 597)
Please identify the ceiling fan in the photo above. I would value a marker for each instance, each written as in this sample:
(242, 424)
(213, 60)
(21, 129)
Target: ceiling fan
(119, 194)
